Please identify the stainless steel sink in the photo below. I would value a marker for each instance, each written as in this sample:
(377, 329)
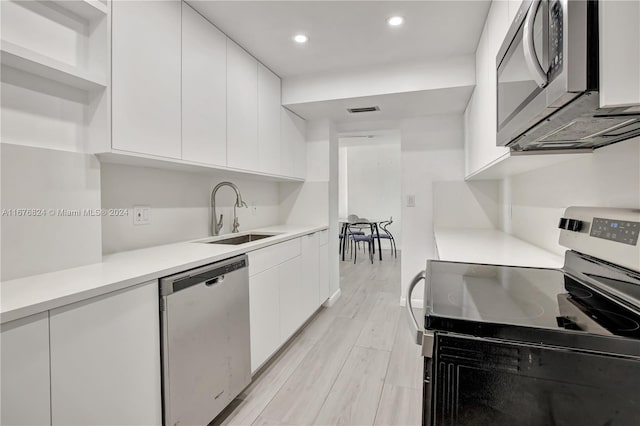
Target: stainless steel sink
(240, 239)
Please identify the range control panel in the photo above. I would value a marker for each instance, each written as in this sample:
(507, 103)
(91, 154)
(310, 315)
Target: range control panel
(622, 231)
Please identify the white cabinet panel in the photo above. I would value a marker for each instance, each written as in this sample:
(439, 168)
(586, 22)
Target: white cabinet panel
(268, 257)
(480, 116)
(242, 108)
(146, 77)
(105, 360)
(310, 279)
(269, 105)
(264, 297)
(293, 150)
(25, 371)
(619, 53)
(323, 274)
(292, 313)
(204, 90)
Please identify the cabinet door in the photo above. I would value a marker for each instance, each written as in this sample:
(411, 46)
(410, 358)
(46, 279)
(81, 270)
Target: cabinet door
(242, 108)
(264, 308)
(291, 297)
(105, 360)
(310, 278)
(619, 54)
(204, 90)
(269, 105)
(25, 371)
(293, 151)
(323, 274)
(146, 77)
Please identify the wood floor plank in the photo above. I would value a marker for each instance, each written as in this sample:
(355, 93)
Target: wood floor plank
(399, 406)
(300, 399)
(354, 397)
(405, 366)
(381, 325)
(262, 390)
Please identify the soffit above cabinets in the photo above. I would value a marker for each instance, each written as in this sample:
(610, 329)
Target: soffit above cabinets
(347, 34)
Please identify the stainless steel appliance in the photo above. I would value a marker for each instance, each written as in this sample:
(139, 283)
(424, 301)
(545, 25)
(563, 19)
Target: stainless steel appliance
(548, 81)
(532, 346)
(206, 359)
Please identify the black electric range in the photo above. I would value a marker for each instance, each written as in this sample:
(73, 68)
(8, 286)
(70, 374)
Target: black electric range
(510, 345)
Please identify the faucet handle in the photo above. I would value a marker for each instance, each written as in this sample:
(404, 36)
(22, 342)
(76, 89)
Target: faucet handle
(236, 225)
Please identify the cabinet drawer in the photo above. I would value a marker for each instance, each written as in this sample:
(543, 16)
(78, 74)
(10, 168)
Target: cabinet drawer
(324, 237)
(268, 257)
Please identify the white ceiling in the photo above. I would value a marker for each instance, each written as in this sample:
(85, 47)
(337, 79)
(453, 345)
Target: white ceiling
(347, 34)
(392, 106)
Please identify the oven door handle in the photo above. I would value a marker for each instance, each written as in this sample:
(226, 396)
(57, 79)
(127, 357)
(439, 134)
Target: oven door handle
(417, 331)
(530, 56)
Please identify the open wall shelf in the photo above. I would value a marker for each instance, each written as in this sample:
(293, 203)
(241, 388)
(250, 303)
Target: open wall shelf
(35, 63)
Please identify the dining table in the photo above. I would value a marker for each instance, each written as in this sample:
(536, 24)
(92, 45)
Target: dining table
(344, 222)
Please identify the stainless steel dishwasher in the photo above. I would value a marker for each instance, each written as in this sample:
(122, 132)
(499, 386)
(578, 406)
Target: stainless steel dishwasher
(206, 359)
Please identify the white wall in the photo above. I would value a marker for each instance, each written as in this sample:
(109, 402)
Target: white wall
(179, 205)
(37, 178)
(432, 151)
(343, 182)
(466, 204)
(533, 202)
(373, 172)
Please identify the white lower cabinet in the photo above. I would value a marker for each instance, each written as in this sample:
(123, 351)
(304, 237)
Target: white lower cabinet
(310, 280)
(323, 274)
(292, 293)
(264, 308)
(105, 360)
(25, 397)
(284, 291)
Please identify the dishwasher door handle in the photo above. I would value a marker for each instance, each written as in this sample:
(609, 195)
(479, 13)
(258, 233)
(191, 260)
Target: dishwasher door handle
(214, 281)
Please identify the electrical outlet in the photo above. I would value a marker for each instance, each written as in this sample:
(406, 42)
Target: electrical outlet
(141, 215)
(411, 200)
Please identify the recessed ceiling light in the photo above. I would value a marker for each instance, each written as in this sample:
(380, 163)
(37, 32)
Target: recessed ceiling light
(395, 21)
(300, 38)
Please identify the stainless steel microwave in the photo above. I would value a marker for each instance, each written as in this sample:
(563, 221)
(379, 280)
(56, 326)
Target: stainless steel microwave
(548, 81)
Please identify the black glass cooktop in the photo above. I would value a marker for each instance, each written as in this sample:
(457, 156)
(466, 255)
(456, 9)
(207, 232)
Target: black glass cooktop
(460, 296)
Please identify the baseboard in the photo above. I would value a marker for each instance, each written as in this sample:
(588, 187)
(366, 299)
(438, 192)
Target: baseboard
(416, 303)
(332, 299)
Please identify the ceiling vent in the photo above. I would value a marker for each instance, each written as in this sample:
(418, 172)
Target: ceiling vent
(363, 109)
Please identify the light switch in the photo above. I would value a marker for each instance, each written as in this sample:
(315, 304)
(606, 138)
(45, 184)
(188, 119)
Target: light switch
(411, 200)
(141, 215)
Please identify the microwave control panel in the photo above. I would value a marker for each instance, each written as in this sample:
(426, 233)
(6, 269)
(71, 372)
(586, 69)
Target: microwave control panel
(556, 38)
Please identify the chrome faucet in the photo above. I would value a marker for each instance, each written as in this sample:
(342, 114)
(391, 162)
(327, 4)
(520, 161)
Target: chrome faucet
(216, 226)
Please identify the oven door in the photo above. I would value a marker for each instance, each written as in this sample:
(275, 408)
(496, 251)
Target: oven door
(495, 382)
(531, 67)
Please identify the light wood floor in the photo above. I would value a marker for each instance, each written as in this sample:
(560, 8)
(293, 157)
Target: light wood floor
(353, 364)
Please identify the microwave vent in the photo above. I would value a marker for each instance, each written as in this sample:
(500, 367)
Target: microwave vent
(585, 128)
(363, 109)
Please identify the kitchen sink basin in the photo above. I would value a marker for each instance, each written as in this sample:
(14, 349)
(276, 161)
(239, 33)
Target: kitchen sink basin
(240, 239)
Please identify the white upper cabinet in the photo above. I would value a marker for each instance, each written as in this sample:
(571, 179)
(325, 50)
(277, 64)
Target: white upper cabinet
(293, 150)
(25, 371)
(619, 53)
(269, 104)
(146, 57)
(204, 90)
(242, 108)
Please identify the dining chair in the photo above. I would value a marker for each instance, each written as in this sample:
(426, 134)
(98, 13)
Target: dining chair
(361, 237)
(387, 235)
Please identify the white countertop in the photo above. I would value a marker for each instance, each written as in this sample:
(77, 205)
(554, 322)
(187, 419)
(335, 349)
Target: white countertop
(38, 293)
(493, 247)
